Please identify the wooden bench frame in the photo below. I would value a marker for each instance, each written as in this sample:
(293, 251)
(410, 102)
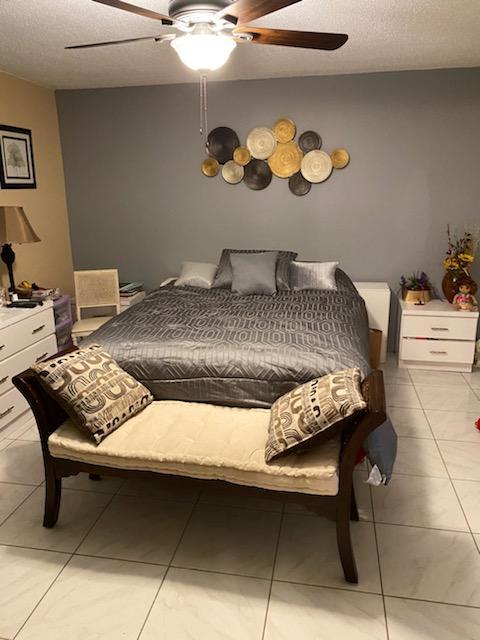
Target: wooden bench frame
(49, 416)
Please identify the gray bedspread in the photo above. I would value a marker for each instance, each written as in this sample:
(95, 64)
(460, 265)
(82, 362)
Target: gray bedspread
(214, 346)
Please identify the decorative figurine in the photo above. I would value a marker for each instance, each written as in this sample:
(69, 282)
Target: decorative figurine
(464, 299)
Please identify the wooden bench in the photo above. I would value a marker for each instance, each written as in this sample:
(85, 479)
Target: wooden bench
(209, 443)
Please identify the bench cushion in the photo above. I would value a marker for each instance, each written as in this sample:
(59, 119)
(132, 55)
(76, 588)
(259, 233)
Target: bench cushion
(203, 441)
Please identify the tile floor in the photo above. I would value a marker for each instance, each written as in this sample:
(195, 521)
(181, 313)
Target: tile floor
(145, 560)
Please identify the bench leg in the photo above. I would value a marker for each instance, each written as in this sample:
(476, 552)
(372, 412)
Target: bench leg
(53, 495)
(344, 540)
(354, 515)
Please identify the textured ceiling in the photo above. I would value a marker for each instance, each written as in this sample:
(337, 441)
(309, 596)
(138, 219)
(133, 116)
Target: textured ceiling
(384, 35)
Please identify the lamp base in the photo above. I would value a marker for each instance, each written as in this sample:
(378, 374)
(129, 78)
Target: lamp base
(8, 257)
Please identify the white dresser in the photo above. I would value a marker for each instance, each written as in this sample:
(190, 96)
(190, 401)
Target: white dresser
(377, 300)
(436, 336)
(26, 336)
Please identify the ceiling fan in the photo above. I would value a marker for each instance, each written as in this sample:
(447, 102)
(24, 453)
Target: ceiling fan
(210, 29)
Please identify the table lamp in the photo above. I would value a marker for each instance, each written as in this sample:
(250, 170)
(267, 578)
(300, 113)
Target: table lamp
(14, 229)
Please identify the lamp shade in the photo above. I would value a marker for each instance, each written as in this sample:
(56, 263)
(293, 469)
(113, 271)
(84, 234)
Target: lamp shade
(15, 227)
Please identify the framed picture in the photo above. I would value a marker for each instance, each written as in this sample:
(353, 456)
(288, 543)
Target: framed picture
(17, 168)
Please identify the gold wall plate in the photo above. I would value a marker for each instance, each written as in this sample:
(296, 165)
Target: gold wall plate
(242, 156)
(286, 159)
(316, 166)
(210, 167)
(261, 143)
(232, 172)
(284, 130)
(340, 158)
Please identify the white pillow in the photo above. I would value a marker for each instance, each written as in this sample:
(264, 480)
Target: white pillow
(313, 275)
(196, 274)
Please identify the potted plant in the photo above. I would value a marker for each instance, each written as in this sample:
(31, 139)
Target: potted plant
(458, 260)
(416, 288)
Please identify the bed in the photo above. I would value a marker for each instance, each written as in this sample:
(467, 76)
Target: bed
(210, 345)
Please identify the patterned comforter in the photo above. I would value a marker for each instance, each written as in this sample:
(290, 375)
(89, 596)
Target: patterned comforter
(214, 346)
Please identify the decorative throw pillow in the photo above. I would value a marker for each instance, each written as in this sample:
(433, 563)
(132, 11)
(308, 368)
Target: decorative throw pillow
(313, 275)
(96, 393)
(223, 277)
(254, 273)
(196, 274)
(312, 409)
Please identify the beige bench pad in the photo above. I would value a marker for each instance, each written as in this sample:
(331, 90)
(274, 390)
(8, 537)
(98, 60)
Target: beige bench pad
(203, 441)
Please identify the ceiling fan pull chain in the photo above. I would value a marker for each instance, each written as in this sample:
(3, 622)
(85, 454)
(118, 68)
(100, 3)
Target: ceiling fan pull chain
(203, 106)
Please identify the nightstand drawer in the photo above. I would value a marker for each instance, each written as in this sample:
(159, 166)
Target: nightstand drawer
(25, 333)
(12, 405)
(24, 359)
(461, 328)
(437, 351)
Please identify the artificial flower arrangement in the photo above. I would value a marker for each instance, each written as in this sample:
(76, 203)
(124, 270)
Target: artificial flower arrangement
(458, 260)
(416, 288)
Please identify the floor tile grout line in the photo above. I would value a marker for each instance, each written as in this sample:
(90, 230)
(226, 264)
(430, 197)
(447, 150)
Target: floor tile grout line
(377, 547)
(43, 596)
(456, 494)
(274, 563)
(2, 522)
(448, 604)
(72, 555)
(169, 566)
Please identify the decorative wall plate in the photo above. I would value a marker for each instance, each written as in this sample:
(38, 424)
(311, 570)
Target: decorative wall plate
(257, 175)
(221, 143)
(210, 167)
(242, 156)
(286, 159)
(340, 158)
(299, 186)
(309, 141)
(232, 172)
(284, 130)
(261, 143)
(316, 166)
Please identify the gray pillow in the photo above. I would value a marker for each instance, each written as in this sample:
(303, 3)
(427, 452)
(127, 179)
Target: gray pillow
(196, 274)
(313, 275)
(254, 273)
(223, 277)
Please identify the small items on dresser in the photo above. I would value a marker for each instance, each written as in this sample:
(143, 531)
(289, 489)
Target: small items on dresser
(464, 299)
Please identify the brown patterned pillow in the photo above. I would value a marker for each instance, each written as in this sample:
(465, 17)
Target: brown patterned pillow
(311, 409)
(96, 393)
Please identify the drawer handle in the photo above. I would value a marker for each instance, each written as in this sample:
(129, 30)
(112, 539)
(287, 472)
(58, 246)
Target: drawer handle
(2, 346)
(3, 380)
(42, 326)
(440, 329)
(5, 413)
(439, 353)
(44, 355)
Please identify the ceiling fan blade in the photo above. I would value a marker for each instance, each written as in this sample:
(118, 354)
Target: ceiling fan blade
(139, 11)
(110, 42)
(301, 39)
(247, 10)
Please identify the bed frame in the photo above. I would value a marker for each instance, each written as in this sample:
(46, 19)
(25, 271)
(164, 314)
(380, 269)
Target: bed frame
(49, 416)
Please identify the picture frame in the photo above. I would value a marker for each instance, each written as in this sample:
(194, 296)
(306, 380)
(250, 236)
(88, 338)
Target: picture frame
(17, 166)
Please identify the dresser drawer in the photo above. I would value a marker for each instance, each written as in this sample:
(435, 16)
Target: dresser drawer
(22, 334)
(12, 405)
(461, 328)
(24, 359)
(437, 351)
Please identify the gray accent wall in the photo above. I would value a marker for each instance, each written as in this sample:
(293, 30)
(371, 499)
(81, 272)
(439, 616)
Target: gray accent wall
(138, 200)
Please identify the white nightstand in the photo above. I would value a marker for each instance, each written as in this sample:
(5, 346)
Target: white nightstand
(26, 336)
(436, 336)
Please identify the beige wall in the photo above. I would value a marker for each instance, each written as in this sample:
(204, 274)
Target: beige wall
(49, 262)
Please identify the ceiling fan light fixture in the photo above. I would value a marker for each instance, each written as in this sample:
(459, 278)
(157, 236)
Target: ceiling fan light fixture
(204, 51)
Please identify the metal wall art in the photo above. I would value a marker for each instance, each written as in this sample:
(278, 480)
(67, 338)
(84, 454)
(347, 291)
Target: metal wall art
(268, 152)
